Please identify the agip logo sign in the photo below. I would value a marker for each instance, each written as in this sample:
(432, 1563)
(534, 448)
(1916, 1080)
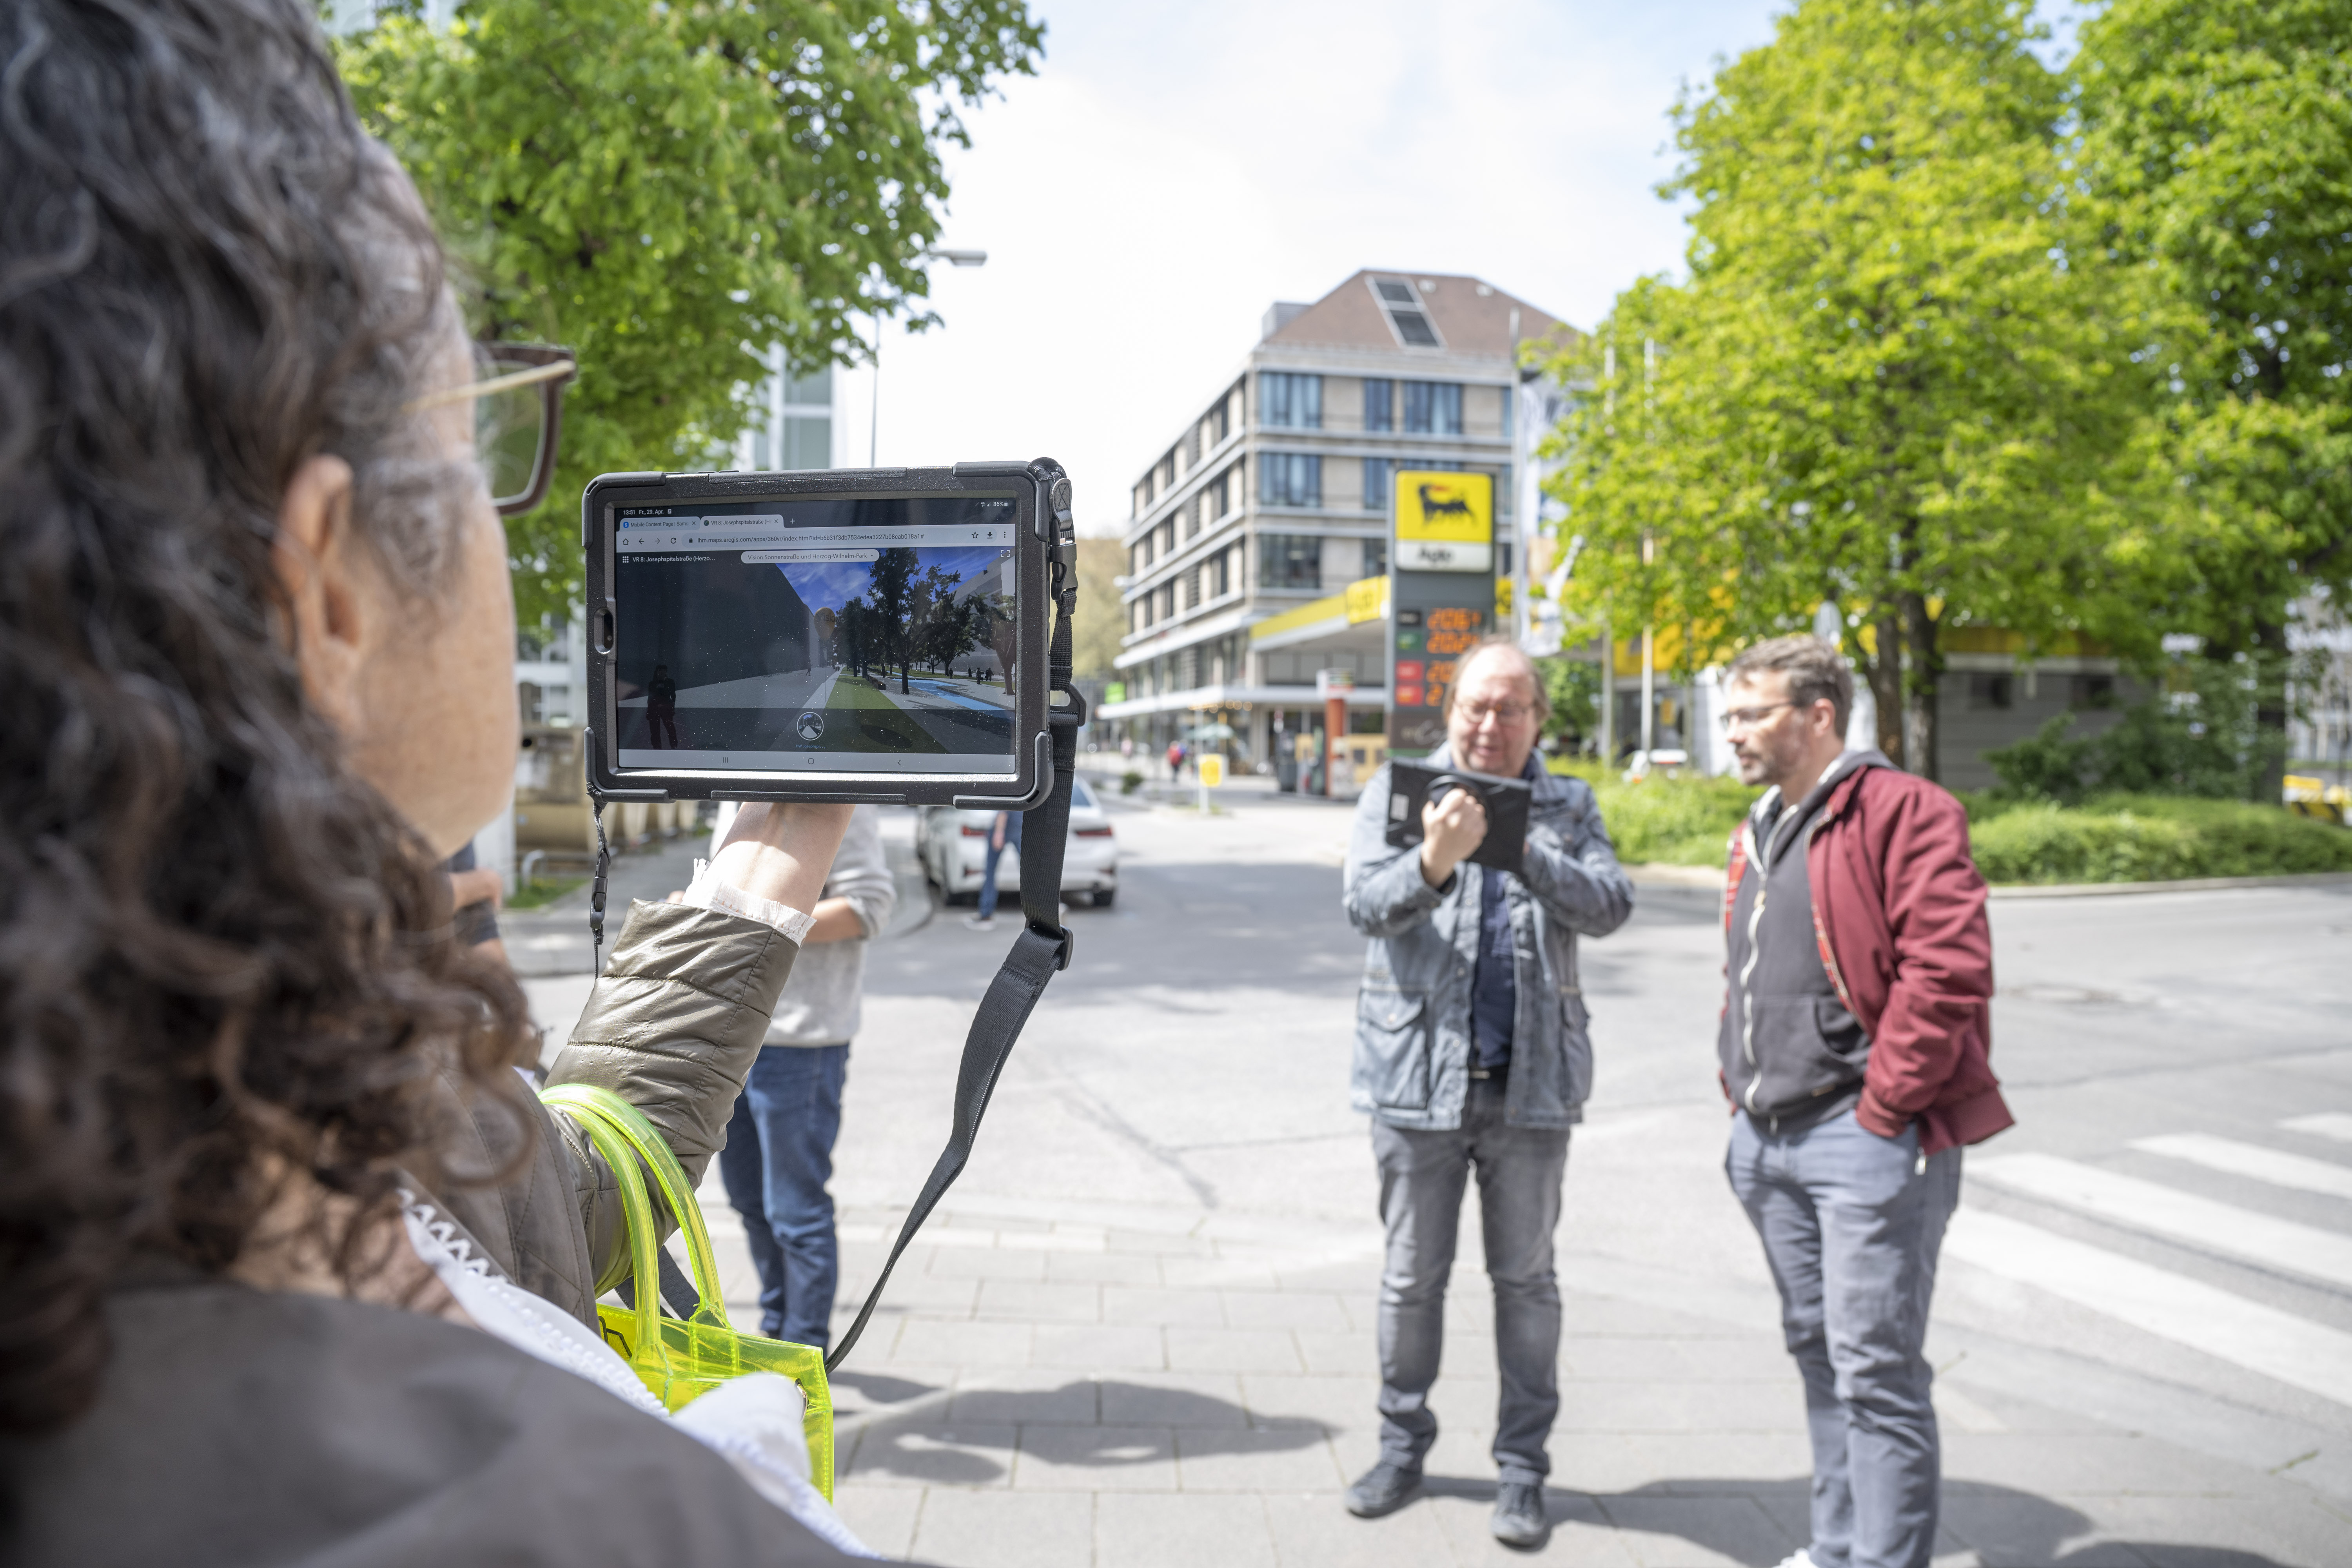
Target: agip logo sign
(1444, 521)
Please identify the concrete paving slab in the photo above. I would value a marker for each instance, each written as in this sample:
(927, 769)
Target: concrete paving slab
(1100, 1347)
(1288, 1399)
(914, 1454)
(1163, 1308)
(1231, 1350)
(1675, 1531)
(1024, 1396)
(1293, 1458)
(1130, 1268)
(1196, 1399)
(1037, 1301)
(1312, 1531)
(1007, 1530)
(1142, 1531)
(1095, 1459)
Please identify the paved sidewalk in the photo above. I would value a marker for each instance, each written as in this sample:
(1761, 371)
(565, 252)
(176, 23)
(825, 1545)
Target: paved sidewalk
(1141, 1331)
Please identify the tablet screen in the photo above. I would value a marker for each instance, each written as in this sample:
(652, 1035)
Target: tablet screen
(835, 634)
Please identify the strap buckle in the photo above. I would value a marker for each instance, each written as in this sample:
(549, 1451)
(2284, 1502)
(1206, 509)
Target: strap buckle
(1065, 939)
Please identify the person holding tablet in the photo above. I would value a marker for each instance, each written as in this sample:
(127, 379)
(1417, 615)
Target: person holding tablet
(264, 1121)
(1472, 1054)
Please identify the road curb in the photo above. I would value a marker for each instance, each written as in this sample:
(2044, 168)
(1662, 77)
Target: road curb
(2192, 885)
(1654, 874)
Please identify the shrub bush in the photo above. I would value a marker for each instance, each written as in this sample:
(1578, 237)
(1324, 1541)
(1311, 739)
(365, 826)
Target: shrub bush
(2112, 838)
(2148, 838)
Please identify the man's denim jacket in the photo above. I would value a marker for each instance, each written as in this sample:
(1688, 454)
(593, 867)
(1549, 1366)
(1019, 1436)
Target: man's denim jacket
(1413, 1014)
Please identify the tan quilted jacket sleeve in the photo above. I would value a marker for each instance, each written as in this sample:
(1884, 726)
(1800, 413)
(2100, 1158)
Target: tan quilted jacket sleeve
(673, 1027)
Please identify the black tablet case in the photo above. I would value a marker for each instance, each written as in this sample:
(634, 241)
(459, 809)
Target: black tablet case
(1508, 801)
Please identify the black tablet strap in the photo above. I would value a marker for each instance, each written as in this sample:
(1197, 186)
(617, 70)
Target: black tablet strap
(1042, 948)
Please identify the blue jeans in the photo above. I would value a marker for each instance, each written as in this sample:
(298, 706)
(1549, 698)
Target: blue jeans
(1422, 1176)
(778, 1158)
(988, 868)
(1852, 1224)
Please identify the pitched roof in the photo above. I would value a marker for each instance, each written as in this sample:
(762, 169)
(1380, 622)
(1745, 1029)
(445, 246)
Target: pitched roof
(1471, 317)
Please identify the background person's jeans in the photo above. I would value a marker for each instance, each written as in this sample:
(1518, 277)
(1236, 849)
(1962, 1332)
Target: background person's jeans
(1422, 1179)
(778, 1158)
(1852, 1224)
(1012, 845)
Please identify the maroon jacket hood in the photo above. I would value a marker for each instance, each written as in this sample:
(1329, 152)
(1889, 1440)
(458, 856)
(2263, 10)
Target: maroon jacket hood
(1900, 912)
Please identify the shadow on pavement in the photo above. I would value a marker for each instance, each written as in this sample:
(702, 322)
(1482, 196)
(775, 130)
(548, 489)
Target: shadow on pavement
(1106, 1425)
(2002, 1524)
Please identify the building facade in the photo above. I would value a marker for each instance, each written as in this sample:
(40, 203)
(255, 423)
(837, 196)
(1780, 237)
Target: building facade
(1245, 535)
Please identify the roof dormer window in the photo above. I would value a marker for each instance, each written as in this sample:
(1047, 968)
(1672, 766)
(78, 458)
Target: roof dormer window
(1406, 316)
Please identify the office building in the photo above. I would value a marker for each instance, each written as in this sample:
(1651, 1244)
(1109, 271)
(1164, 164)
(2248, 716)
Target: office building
(1257, 541)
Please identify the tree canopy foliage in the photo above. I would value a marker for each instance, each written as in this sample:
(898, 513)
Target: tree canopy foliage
(670, 188)
(1970, 344)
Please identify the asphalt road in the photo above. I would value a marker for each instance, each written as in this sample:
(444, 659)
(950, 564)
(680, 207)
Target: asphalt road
(2143, 1326)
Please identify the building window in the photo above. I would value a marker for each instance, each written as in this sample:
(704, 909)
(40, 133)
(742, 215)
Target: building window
(1404, 311)
(1217, 495)
(1432, 408)
(1290, 479)
(1221, 569)
(2091, 691)
(1290, 401)
(1167, 531)
(1989, 691)
(808, 443)
(1376, 558)
(1289, 561)
(1376, 483)
(1190, 513)
(1380, 404)
(1168, 601)
(1218, 425)
(1193, 589)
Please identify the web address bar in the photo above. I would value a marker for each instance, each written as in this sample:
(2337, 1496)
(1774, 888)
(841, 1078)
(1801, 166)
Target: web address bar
(693, 532)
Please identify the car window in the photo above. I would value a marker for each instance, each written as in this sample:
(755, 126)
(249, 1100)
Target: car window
(1080, 795)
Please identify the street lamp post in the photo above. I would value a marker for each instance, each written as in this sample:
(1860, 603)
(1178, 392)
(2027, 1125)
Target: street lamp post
(874, 416)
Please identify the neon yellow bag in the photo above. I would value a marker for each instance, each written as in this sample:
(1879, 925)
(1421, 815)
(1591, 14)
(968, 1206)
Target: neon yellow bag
(681, 1359)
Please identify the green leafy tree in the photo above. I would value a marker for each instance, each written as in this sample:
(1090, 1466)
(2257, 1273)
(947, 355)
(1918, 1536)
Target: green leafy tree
(1101, 619)
(2216, 154)
(1887, 383)
(949, 627)
(894, 609)
(670, 188)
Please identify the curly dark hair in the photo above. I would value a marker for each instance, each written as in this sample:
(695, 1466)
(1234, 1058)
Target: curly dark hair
(226, 963)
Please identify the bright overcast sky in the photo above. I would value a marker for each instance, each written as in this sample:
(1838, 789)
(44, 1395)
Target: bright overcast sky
(1173, 169)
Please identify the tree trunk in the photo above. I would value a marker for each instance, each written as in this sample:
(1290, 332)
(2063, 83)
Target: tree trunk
(1886, 687)
(1922, 681)
(2271, 658)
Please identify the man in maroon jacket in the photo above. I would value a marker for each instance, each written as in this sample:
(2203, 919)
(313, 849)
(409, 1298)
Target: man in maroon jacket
(1855, 1048)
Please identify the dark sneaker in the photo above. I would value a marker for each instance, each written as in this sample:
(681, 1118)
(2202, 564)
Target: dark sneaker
(1520, 1516)
(1384, 1488)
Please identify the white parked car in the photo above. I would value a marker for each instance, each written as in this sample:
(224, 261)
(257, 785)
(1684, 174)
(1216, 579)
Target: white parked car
(952, 846)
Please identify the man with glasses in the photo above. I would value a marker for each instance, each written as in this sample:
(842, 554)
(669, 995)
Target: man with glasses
(1855, 1049)
(1471, 1055)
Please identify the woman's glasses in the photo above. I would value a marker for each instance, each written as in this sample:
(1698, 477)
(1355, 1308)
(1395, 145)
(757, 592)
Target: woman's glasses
(517, 398)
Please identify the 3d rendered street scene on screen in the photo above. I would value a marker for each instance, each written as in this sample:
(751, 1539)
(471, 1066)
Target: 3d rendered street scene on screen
(808, 642)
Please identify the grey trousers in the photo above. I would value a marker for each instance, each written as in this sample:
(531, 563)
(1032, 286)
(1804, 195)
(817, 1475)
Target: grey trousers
(1423, 1176)
(1852, 1224)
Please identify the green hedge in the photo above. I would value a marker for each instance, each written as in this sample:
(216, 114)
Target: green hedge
(2107, 838)
(2148, 838)
(1670, 822)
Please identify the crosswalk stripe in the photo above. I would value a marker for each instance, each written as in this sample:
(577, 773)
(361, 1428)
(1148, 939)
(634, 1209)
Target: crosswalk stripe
(2276, 1166)
(2186, 1312)
(2276, 1244)
(2327, 1124)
